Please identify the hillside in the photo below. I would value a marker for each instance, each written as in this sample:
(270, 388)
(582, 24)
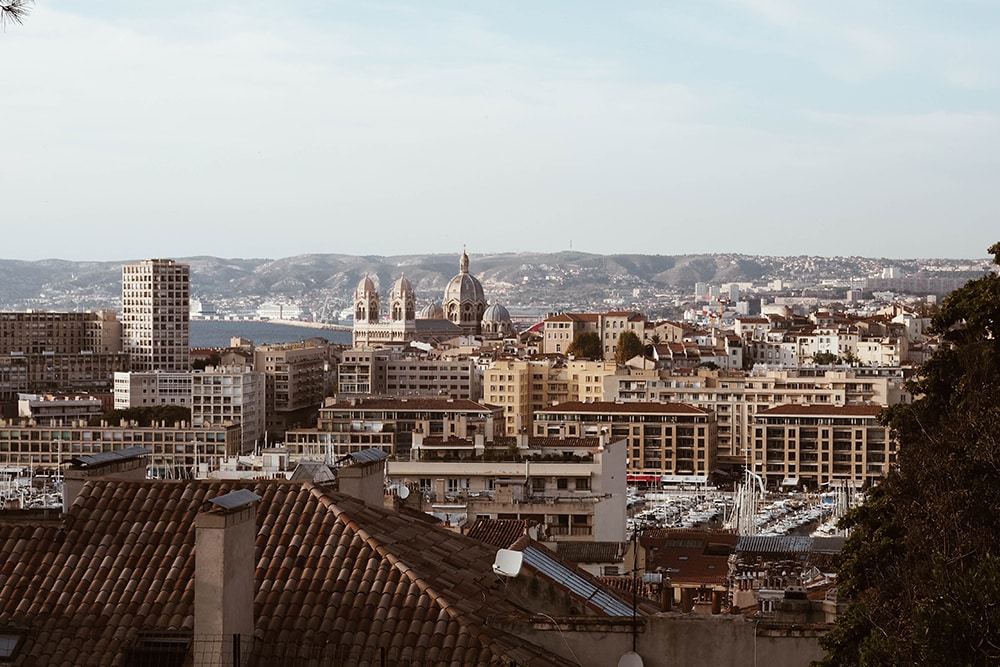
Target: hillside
(552, 281)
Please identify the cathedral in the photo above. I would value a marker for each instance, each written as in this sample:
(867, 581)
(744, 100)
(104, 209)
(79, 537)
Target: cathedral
(464, 312)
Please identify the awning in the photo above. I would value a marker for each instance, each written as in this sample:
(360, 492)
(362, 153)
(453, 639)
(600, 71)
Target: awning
(790, 481)
(651, 479)
(684, 479)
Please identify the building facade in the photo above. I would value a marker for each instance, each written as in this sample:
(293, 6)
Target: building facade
(177, 452)
(349, 426)
(156, 296)
(148, 389)
(821, 446)
(295, 379)
(230, 395)
(572, 489)
(671, 439)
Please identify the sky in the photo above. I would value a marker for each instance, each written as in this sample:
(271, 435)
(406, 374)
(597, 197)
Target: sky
(271, 129)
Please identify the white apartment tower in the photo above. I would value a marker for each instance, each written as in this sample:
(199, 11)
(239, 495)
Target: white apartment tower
(155, 315)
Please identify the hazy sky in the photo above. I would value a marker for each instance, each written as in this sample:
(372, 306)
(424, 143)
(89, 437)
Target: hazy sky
(252, 129)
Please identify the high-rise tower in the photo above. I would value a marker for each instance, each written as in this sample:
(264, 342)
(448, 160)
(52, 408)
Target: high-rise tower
(156, 299)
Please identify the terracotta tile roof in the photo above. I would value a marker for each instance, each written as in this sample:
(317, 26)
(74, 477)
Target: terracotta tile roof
(799, 409)
(499, 533)
(450, 404)
(626, 407)
(689, 557)
(592, 552)
(335, 579)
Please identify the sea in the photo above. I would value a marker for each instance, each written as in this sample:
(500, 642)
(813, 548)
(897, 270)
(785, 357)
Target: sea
(217, 333)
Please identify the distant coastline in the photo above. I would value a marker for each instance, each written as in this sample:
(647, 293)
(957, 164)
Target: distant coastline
(218, 333)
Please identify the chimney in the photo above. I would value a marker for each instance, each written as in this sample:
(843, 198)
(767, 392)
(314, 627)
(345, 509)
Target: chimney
(223, 578)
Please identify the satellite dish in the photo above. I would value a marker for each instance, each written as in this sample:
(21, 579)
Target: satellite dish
(508, 563)
(630, 659)
(404, 492)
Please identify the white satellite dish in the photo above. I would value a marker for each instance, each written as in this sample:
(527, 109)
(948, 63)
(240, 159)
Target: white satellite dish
(630, 659)
(508, 563)
(404, 492)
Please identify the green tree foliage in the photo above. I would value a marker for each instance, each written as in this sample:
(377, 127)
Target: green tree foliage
(145, 416)
(825, 358)
(629, 346)
(586, 345)
(13, 11)
(922, 565)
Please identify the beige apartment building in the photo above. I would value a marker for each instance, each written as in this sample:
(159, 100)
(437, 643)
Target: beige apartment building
(56, 352)
(561, 329)
(386, 371)
(571, 489)
(671, 439)
(37, 332)
(735, 397)
(156, 305)
(295, 383)
(522, 387)
(821, 446)
(177, 451)
(347, 426)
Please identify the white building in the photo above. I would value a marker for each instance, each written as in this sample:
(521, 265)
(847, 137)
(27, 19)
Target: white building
(138, 390)
(155, 315)
(230, 394)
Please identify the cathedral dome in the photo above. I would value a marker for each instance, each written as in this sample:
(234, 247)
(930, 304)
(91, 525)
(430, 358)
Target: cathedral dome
(431, 311)
(496, 313)
(465, 286)
(402, 302)
(464, 301)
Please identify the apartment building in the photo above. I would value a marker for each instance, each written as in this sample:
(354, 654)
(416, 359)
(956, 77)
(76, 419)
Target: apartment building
(151, 388)
(561, 329)
(230, 395)
(387, 371)
(573, 489)
(37, 332)
(670, 439)
(295, 380)
(348, 426)
(735, 397)
(821, 446)
(55, 352)
(156, 297)
(177, 452)
(524, 386)
(55, 410)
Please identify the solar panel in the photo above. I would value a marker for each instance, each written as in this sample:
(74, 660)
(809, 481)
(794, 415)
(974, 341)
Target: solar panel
(235, 499)
(85, 460)
(576, 583)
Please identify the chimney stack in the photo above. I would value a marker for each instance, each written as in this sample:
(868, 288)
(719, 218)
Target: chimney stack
(223, 578)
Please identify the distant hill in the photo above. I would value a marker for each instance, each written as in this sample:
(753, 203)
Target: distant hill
(545, 280)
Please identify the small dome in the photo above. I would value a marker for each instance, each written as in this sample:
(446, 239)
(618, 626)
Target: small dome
(496, 313)
(400, 289)
(431, 311)
(366, 286)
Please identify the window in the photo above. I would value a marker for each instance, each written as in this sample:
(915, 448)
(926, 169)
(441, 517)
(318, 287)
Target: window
(583, 484)
(10, 642)
(562, 483)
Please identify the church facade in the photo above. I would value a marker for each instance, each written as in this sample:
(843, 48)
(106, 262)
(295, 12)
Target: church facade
(464, 312)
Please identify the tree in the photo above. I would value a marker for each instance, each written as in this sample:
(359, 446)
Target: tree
(629, 346)
(13, 11)
(922, 564)
(145, 415)
(825, 358)
(586, 345)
